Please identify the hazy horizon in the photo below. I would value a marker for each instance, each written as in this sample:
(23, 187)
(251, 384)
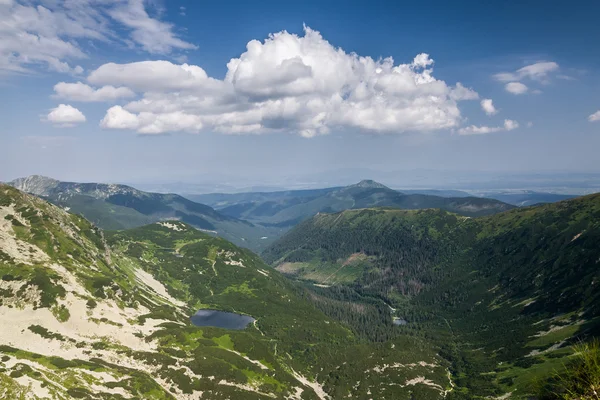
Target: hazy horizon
(153, 91)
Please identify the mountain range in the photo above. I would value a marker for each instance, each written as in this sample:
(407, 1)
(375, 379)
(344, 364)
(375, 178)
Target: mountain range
(252, 220)
(374, 302)
(286, 209)
(92, 315)
(113, 207)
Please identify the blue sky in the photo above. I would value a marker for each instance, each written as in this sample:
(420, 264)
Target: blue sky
(142, 90)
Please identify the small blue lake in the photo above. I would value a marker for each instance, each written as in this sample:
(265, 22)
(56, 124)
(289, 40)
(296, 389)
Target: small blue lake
(221, 319)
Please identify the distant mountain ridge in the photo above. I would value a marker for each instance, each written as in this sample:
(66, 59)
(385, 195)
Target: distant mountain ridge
(115, 206)
(286, 209)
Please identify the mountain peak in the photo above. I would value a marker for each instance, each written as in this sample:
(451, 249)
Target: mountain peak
(369, 183)
(35, 184)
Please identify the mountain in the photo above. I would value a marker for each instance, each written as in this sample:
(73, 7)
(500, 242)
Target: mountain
(113, 207)
(438, 192)
(505, 296)
(528, 197)
(286, 209)
(87, 314)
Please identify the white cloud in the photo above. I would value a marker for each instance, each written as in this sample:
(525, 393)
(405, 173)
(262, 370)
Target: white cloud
(152, 76)
(487, 106)
(516, 88)
(81, 92)
(150, 123)
(288, 83)
(54, 35)
(463, 93)
(594, 117)
(65, 116)
(509, 125)
(153, 35)
(538, 72)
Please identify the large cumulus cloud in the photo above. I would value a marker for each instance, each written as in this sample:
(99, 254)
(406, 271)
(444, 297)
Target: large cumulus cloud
(288, 83)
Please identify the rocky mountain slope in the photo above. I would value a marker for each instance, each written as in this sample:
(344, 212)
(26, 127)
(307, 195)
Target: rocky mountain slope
(91, 315)
(504, 296)
(112, 206)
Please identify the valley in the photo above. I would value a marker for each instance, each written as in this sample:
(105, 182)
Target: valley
(442, 304)
(506, 297)
(98, 314)
(299, 200)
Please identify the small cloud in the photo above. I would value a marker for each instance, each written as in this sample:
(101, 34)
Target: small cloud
(538, 72)
(65, 116)
(487, 106)
(529, 124)
(566, 77)
(516, 88)
(81, 92)
(594, 117)
(460, 92)
(509, 125)
(182, 11)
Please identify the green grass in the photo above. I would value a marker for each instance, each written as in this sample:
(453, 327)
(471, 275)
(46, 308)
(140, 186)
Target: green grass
(578, 379)
(555, 336)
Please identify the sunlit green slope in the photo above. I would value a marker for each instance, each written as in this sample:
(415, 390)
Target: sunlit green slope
(90, 315)
(504, 296)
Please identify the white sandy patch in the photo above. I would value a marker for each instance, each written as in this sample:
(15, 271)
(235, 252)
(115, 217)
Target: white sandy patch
(172, 226)
(536, 352)
(422, 380)
(34, 388)
(78, 327)
(17, 249)
(315, 386)
(257, 363)
(554, 328)
(576, 236)
(263, 272)
(297, 395)
(44, 371)
(148, 280)
(29, 296)
(235, 262)
(384, 367)
(227, 257)
(452, 385)
(246, 387)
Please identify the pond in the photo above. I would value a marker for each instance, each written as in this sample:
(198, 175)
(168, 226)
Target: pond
(221, 319)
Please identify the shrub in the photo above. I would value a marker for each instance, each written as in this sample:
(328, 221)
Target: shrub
(578, 380)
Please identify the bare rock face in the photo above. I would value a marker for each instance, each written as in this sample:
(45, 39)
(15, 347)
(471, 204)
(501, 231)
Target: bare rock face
(35, 184)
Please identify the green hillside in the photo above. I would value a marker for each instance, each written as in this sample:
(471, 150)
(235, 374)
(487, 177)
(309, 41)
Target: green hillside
(91, 315)
(113, 207)
(504, 296)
